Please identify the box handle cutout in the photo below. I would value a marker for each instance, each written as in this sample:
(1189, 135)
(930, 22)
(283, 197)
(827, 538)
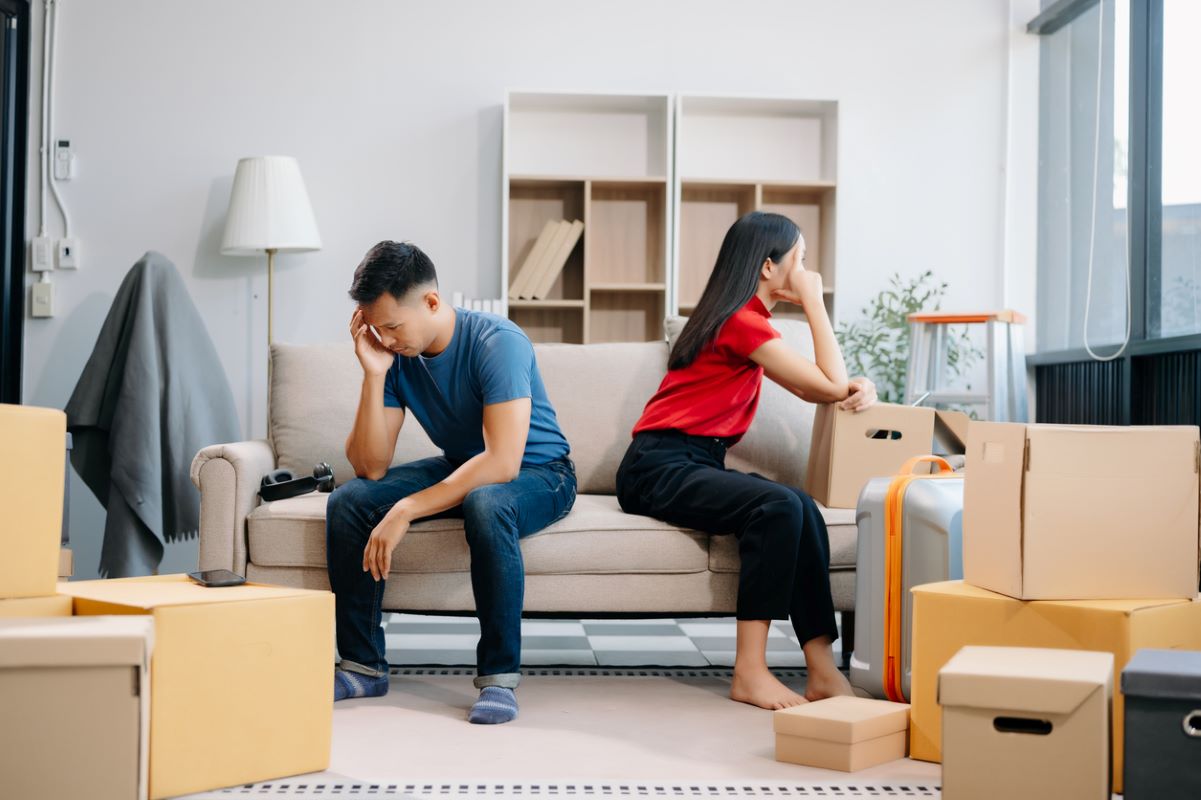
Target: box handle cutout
(1037, 727)
(1192, 724)
(882, 433)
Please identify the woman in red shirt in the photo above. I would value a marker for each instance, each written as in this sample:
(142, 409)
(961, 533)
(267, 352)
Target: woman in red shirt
(675, 470)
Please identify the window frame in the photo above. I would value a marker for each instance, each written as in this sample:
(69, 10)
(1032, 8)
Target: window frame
(1144, 199)
(14, 124)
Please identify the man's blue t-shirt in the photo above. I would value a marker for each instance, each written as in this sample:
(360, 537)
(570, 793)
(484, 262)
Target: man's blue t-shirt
(489, 360)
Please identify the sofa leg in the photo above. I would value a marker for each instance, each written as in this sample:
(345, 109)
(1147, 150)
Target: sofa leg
(847, 637)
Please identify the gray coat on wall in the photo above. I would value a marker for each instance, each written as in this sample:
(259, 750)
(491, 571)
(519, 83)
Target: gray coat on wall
(152, 394)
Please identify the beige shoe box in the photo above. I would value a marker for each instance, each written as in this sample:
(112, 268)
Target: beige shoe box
(842, 733)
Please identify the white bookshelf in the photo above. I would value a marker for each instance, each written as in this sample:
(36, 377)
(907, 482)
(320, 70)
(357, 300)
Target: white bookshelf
(605, 159)
(734, 155)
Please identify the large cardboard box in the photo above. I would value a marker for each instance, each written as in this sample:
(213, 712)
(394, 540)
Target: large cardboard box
(843, 733)
(1163, 725)
(850, 448)
(31, 494)
(949, 616)
(1025, 722)
(75, 696)
(55, 605)
(1074, 512)
(242, 678)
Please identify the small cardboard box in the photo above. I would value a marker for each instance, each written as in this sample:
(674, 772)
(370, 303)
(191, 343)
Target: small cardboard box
(1025, 722)
(1076, 512)
(850, 448)
(75, 695)
(66, 563)
(843, 733)
(951, 615)
(1163, 725)
(242, 678)
(31, 494)
(56, 605)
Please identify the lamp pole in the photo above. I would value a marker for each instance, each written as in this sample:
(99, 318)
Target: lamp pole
(270, 326)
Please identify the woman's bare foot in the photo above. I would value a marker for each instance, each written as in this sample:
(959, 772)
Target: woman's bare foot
(758, 687)
(826, 683)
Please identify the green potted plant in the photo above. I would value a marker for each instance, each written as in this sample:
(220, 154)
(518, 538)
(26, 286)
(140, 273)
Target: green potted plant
(877, 344)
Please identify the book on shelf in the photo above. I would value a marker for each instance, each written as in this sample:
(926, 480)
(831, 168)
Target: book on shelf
(520, 282)
(557, 235)
(565, 243)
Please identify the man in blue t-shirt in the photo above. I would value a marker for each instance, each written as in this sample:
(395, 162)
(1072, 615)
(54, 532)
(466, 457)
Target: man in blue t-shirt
(471, 381)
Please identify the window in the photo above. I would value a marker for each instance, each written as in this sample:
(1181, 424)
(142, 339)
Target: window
(1175, 299)
(1084, 76)
(1145, 224)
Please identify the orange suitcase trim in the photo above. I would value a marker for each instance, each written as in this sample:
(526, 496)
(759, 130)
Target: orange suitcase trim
(894, 503)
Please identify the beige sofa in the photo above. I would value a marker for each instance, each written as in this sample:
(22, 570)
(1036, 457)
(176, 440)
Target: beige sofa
(597, 560)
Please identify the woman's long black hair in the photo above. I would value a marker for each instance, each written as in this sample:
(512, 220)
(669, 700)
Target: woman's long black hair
(750, 241)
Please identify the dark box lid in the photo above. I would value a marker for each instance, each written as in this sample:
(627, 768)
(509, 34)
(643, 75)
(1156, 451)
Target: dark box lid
(1164, 674)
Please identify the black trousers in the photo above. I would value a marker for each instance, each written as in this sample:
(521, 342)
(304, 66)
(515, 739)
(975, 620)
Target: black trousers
(782, 537)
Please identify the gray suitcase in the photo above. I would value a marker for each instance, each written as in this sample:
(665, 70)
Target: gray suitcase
(925, 545)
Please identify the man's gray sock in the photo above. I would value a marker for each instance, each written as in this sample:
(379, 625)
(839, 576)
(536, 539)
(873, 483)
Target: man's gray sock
(496, 705)
(349, 685)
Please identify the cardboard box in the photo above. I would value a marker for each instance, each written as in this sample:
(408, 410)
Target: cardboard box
(242, 678)
(843, 733)
(1062, 512)
(848, 449)
(56, 605)
(66, 563)
(75, 695)
(1163, 725)
(31, 494)
(949, 616)
(1024, 722)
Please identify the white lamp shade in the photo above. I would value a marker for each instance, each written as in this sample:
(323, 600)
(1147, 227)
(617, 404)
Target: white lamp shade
(269, 209)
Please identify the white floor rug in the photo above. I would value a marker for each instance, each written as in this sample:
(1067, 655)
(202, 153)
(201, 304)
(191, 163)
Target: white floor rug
(581, 732)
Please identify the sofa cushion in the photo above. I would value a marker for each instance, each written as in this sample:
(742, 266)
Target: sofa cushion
(314, 395)
(595, 538)
(599, 391)
(777, 444)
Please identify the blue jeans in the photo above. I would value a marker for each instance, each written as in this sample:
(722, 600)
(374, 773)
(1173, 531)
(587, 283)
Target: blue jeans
(495, 517)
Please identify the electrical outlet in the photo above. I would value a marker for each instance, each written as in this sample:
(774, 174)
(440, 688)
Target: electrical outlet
(43, 254)
(68, 253)
(43, 299)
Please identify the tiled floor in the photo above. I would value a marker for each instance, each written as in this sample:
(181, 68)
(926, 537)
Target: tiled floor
(450, 641)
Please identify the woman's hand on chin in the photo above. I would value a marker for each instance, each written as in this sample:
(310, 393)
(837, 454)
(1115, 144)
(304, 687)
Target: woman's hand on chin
(862, 395)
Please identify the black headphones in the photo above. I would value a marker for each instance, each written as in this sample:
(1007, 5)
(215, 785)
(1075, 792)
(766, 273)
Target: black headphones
(281, 484)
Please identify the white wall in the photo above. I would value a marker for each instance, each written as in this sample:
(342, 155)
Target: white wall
(393, 109)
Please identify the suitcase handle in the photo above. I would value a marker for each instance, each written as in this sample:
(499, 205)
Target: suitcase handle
(944, 468)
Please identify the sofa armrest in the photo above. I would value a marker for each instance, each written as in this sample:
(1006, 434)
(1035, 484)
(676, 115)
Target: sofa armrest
(228, 477)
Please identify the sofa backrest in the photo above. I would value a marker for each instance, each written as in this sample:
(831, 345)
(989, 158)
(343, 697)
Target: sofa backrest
(314, 395)
(598, 392)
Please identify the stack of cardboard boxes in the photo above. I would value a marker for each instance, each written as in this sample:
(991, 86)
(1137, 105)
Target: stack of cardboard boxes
(1080, 547)
(1075, 538)
(153, 687)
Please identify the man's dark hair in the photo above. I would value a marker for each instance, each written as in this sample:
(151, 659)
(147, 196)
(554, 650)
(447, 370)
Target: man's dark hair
(392, 267)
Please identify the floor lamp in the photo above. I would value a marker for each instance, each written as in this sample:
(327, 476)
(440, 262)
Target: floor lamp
(269, 212)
